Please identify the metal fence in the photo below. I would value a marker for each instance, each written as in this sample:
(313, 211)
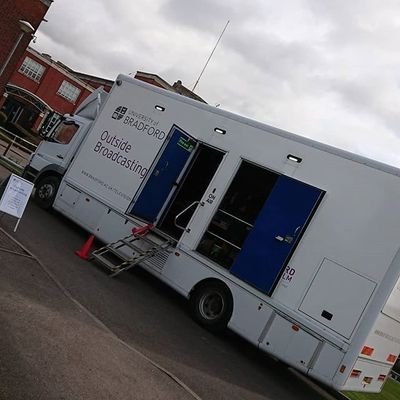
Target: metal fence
(14, 150)
(395, 376)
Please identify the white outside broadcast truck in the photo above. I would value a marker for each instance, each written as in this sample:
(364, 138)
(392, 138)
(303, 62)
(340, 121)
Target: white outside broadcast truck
(290, 243)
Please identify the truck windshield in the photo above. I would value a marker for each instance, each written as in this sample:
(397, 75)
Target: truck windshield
(65, 132)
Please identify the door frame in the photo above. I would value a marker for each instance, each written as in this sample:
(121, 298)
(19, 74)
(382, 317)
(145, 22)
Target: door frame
(199, 146)
(151, 169)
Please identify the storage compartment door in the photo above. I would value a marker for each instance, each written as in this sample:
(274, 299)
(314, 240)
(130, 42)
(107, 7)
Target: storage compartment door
(290, 343)
(164, 175)
(337, 297)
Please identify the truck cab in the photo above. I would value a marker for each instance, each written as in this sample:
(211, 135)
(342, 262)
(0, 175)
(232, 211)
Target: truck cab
(52, 157)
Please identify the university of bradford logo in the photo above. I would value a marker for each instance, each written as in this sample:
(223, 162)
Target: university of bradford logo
(119, 112)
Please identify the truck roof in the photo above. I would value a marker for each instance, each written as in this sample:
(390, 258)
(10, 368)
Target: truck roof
(268, 128)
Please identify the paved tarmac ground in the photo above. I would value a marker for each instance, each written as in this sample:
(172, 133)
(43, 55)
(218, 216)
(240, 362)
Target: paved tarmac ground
(49, 349)
(52, 349)
(3, 173)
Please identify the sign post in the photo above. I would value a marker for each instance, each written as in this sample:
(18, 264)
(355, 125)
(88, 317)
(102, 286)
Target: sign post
(15, 197)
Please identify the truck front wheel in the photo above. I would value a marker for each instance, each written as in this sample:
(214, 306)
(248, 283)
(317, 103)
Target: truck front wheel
(45, 191)
(211, 305)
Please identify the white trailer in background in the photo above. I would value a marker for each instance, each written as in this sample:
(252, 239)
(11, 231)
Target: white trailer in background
(292, 244)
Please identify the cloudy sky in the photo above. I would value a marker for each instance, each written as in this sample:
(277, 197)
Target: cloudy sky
(325, 69)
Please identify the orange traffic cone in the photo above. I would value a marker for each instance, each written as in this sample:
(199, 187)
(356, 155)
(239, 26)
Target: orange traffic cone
(84, 251)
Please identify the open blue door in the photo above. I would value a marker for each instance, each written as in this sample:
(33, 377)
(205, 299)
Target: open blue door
(163, 179)
(276, 231)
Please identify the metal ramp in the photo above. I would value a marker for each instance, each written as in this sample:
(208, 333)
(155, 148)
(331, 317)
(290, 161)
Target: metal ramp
(123, 254)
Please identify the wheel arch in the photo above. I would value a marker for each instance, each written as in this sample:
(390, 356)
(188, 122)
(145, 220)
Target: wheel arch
(209, 281)
(50, 170)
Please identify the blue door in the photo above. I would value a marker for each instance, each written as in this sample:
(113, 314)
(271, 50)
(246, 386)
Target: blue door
(276, 231)
(164, 175)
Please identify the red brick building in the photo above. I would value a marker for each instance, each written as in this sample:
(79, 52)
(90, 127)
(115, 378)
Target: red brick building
(19, 20)
(38, 88)
(93, 81)
(177, 87)
(41, 90)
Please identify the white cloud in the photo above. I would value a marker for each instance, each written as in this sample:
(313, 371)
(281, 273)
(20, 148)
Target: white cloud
(326, 70)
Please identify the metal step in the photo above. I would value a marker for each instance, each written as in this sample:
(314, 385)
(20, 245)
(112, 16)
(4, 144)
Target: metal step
(136, 247)
(103, 261)
(152, 245)
(125, 264)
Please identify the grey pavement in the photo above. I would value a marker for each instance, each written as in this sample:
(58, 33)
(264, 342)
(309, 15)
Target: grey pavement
(51, 346)
(3, 172)
(49, 349)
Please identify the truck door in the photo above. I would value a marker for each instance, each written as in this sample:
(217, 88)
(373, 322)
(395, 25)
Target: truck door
(58, 148)
(277, 229)
(163, 177)
(258, 224)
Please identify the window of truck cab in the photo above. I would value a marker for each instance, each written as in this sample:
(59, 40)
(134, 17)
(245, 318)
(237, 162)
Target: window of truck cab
(65, 132)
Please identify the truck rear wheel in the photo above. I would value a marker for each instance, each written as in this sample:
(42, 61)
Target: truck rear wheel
(46, 190)
(211, 305)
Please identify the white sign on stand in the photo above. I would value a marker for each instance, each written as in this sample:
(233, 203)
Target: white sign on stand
(15, 197)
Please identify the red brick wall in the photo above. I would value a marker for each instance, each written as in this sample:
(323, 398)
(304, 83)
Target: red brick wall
(149, 80)
(46, 89)
(11, 11)
(96, 85)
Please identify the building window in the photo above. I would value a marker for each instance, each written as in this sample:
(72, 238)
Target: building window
(69, 91)
(32, 69)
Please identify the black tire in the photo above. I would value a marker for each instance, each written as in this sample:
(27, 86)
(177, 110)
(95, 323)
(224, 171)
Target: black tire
(211, 305)
(46, 190)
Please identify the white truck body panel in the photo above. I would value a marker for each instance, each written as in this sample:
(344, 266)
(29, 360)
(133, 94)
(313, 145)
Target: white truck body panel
(355, 293)
(326, 305)
(132, 159)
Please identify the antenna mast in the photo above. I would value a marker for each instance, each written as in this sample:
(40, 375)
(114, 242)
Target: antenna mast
(209, 58)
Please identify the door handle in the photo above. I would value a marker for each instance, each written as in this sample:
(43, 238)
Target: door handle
(296, 231)
(288, 238)
(60, 156)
